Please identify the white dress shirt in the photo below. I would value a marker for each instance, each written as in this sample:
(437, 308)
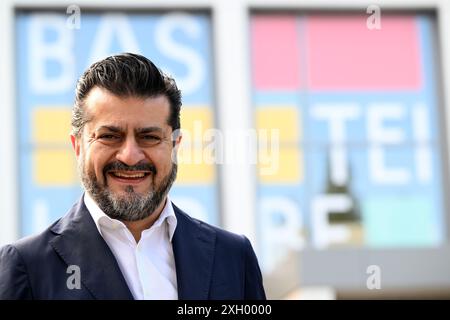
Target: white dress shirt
(149, 265)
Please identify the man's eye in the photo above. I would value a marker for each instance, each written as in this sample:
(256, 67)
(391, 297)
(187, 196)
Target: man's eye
(151, 138)
(109, 137)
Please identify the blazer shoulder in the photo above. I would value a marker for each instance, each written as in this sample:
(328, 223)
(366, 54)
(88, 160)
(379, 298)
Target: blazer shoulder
(14, 281)
(234, 257)
(226, 241)
(33, 248)
(36, 246)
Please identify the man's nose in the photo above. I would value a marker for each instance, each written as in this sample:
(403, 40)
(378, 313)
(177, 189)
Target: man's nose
(130, 153)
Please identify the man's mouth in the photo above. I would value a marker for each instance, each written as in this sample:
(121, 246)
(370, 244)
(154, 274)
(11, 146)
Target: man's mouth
(129, 176)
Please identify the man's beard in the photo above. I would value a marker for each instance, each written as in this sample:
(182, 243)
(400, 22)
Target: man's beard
(130, 206)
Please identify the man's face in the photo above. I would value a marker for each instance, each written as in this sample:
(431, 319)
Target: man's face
(124, 153)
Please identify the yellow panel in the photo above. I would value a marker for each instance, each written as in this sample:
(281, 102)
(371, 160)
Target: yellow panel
(193, 169)
(51, 125)
(288, 168)
(54, 167)
(194, 121)
(284, 119)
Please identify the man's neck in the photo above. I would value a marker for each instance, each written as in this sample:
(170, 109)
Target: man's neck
(136, 227)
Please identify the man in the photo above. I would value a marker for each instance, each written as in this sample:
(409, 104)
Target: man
(124, 239)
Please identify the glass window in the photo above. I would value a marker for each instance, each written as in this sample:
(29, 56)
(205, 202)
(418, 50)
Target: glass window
(357, 117)
(52, 54)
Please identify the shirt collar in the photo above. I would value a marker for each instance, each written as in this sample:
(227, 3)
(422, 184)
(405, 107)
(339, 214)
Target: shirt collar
(103, 221)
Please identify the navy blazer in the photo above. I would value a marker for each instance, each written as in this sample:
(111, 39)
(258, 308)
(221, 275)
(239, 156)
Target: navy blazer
(210, 263)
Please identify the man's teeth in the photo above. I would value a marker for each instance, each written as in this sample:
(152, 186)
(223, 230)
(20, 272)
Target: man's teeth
(129, 175)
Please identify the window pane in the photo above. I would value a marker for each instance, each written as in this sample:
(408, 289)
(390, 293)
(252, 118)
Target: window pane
(51, 55)
(360, 140)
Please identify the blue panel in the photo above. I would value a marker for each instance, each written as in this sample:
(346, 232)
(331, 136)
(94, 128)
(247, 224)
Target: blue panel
(48, 50)
(395, 189)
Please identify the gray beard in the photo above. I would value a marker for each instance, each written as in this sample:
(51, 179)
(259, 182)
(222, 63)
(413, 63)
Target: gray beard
(132, 206)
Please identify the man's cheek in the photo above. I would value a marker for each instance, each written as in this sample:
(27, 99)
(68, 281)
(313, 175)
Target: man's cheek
(103, 178)
(98, 173)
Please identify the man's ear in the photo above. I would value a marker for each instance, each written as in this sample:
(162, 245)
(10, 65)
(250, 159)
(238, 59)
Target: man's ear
(176, 139)
(176, 142)
(75, 144)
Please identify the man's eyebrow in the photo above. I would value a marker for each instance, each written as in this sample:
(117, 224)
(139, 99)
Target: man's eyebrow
(148, 130)
(111, 128)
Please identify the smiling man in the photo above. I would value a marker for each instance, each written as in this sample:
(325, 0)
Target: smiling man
(125, 239)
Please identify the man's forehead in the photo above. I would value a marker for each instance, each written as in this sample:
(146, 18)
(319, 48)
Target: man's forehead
(103, 108)
(100, 99)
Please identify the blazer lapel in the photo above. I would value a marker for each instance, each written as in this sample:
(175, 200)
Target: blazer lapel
(193, 246)
(78, 242)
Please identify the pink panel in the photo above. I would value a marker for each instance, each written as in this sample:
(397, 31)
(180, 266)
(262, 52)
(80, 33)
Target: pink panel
(343, 54)
(275, 53)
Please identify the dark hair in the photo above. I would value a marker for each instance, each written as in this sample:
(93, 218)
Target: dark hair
(126, 75)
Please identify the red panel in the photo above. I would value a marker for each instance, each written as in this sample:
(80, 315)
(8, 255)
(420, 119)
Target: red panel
(343, 54)
(275, 53)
